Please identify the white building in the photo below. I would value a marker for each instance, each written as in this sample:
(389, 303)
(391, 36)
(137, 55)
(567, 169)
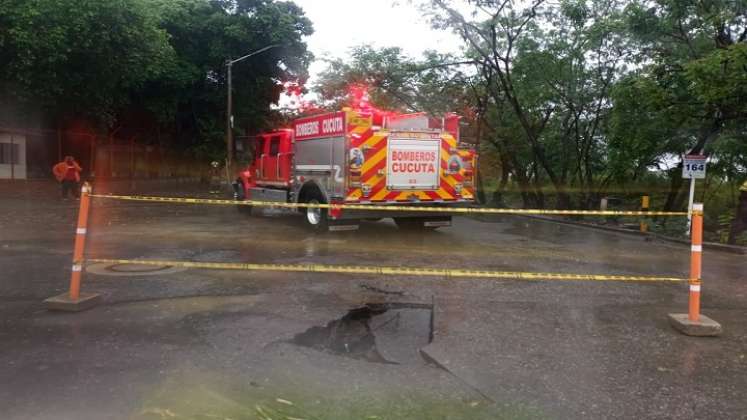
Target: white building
(12, 156)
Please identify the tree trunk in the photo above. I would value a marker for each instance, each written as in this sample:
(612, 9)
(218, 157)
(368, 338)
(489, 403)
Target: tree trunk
(563, 201)
(739, 224)
(480, 188)
(531, 135)
(497, 200)
(675, 184)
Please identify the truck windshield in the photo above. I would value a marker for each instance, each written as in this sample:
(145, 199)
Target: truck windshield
(260, 150)
(274, 145)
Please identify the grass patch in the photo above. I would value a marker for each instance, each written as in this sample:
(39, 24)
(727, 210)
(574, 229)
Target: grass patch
(266, 403)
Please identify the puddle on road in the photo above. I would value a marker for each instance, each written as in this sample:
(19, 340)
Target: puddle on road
(379, 333)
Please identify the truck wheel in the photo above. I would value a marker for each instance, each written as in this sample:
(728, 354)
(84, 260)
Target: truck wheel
(238, 195)
(316, 218)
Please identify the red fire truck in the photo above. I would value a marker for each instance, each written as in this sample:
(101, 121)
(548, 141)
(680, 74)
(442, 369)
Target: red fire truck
(367, 157)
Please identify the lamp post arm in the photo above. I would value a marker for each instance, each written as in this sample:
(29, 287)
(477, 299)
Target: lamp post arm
(230, 62)
(229, 107)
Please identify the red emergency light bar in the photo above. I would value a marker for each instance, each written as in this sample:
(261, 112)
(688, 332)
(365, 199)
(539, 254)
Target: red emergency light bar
(361, 104)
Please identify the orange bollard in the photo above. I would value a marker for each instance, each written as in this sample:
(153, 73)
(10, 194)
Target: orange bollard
(73, 300)
(80, 242)
(696, 253)
(693, 322)
(645, 201)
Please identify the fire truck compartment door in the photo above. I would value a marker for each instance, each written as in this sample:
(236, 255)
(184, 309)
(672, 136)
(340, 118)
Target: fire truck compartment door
(413, 164)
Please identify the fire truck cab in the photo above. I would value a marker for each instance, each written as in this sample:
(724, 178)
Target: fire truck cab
(363, 157)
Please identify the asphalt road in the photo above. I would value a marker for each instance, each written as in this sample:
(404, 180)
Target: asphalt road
(173, 343)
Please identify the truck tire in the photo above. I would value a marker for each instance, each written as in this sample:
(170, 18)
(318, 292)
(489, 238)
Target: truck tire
(316, 218)
(238, 195)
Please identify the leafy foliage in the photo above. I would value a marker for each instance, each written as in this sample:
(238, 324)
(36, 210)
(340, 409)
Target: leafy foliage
(152, 68)
(84, 57)
(394, 81)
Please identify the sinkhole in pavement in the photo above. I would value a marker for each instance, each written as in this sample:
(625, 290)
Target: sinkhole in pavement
(378, 332)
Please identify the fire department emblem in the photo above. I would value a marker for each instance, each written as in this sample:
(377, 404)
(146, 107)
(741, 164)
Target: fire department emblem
(455, 164)
(356, 158)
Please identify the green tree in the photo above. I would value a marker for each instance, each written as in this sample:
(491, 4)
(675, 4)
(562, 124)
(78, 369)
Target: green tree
(152, 68)
(691, 83)
(548, 71)
(80, 58)
(395, 81)
(191, 100)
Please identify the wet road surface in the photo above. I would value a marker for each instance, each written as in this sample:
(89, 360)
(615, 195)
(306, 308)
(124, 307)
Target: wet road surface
(227, 344)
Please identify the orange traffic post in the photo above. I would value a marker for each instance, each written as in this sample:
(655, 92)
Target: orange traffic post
(694, 323)
(74, 300)
(696, 261)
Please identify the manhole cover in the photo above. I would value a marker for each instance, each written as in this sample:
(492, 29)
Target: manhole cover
(140, 270)
(123, 270)
(137, 268)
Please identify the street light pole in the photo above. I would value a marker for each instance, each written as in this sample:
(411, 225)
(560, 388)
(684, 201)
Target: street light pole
(229, 117)
(229, 104)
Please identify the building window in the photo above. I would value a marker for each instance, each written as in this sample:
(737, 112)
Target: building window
(9, 154)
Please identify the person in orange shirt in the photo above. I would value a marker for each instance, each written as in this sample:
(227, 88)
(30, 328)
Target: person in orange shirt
(67, 173)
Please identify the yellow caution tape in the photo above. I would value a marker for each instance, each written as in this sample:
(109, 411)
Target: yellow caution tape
(404, 271)
(392, 208)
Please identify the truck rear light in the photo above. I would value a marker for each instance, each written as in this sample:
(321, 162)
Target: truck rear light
(246, 174)
(468, 173)
(335, 211)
